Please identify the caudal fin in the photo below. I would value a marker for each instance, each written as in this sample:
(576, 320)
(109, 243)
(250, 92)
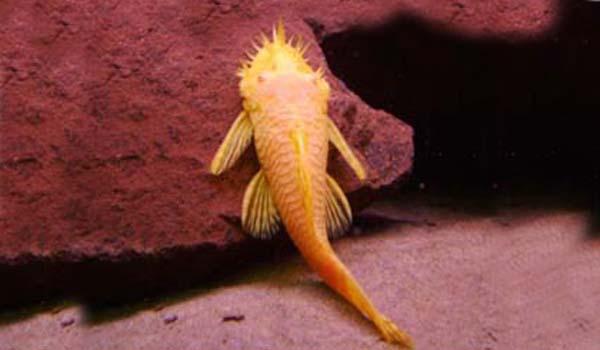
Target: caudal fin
(392, 334)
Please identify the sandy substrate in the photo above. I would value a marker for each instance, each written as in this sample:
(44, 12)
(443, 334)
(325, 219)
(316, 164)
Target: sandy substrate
(453, 280)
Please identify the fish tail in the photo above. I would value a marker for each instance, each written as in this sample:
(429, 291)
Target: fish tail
(317, 251)
(321, 257)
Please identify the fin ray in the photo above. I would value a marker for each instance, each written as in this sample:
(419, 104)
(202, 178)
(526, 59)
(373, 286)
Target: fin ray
(338, 213)
(235, 143)
(336, 137)
(259, 215)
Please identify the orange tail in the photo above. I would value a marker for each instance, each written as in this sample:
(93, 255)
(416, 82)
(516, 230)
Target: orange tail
(321, 257)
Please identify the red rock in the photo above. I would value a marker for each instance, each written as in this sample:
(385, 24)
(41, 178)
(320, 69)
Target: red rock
(111, 111)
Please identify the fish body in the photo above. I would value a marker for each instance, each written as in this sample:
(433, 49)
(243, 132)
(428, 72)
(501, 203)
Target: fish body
(285, 114)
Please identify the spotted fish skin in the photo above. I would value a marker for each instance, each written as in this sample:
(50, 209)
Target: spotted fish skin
(285, 115)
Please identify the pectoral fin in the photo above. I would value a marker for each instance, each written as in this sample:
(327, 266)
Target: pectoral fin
(336, 137)
(259, 215)
(237, 140)
(338, 212)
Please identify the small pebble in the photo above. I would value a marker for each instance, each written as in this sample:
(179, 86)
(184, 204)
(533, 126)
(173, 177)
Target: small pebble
(170, 319)
(236, 318)
(66, 322)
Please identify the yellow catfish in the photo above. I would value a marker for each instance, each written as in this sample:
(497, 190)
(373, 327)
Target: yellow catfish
(285, 109)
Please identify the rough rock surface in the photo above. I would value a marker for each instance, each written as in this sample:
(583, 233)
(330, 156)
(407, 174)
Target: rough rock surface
(513, 280)
(110, 112)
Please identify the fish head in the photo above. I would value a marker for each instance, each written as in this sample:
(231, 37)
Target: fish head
(278, 73)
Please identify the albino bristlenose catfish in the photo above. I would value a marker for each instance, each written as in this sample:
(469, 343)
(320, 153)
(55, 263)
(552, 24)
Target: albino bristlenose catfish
(285, 110)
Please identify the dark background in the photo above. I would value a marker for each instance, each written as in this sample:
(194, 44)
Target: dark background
(490, 116)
